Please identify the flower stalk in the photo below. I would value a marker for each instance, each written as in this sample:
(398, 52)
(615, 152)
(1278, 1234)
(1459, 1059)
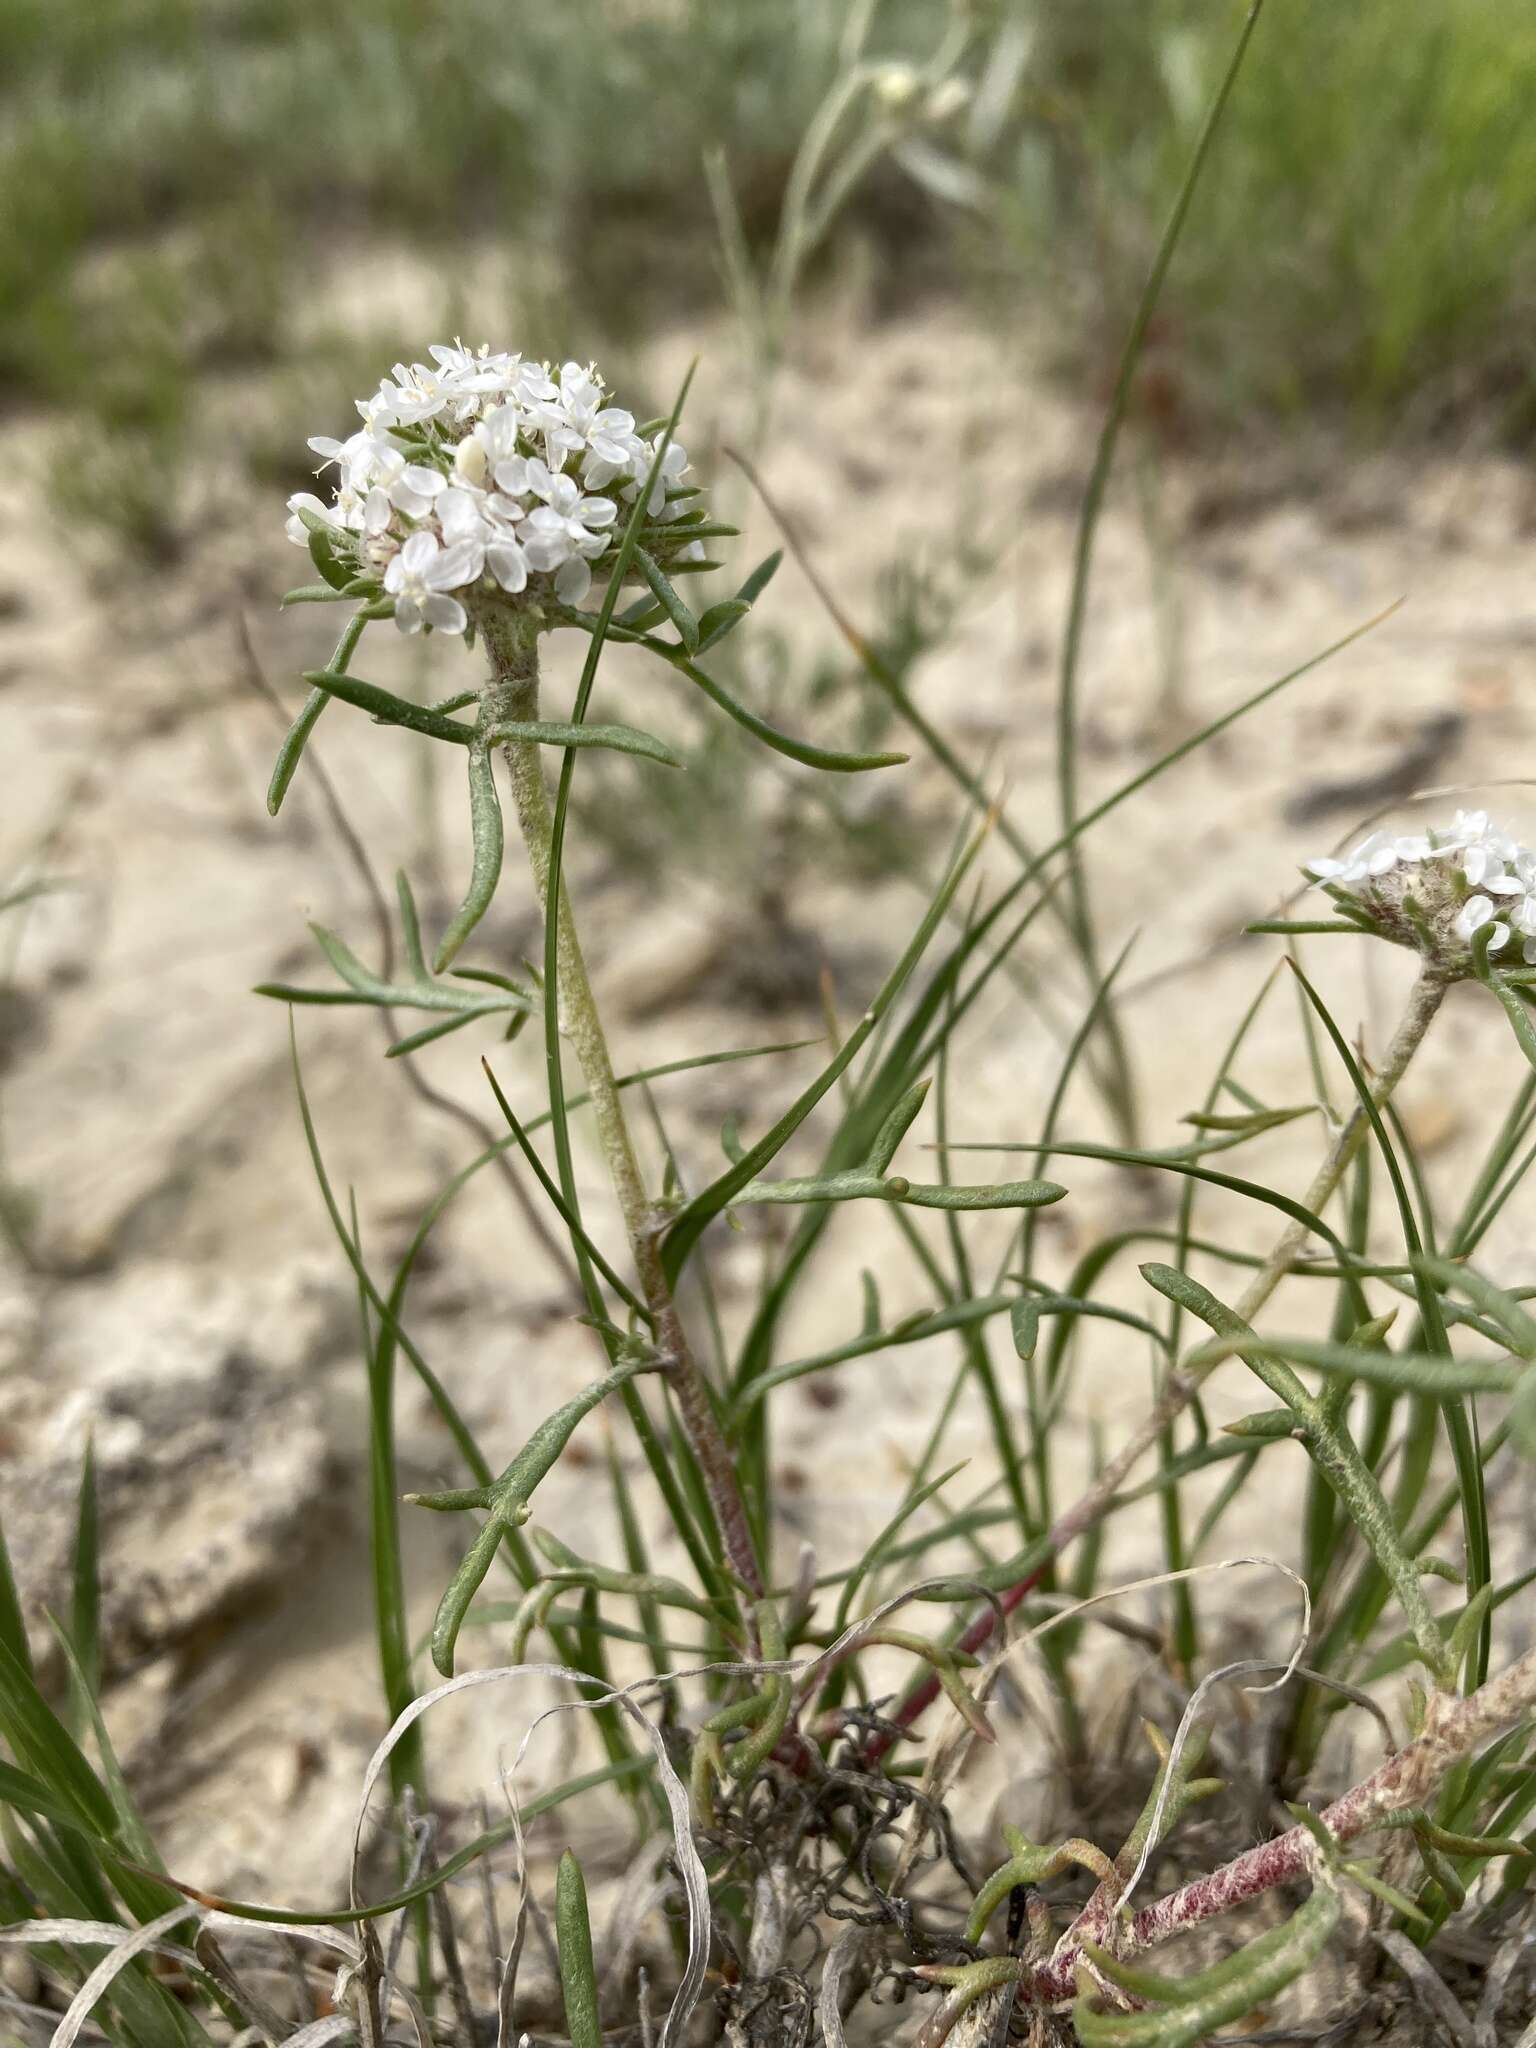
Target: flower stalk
(511, 696)
(1181, 1386)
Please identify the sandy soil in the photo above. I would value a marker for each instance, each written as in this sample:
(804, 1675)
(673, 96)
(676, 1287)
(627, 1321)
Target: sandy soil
(148, 1100)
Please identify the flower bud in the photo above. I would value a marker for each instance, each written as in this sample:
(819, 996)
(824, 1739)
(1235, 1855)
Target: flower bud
(896, 86)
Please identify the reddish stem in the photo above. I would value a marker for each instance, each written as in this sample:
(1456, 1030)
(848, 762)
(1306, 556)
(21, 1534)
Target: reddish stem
(923, 1694)
(1455, 1728)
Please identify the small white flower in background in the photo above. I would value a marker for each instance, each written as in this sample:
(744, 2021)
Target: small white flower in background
(477, 472)
(1440, 891)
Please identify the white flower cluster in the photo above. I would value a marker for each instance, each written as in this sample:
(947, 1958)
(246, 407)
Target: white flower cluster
(1448, 883)
(478, 465)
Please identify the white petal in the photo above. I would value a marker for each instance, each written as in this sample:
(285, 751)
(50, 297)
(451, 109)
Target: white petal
(460, 514)
(407, 614)
(512, 475)
(419, 553)
(545, 551)
(446, 614)
(457, 566)
(508, 564)
(572, 581)
(597, 511)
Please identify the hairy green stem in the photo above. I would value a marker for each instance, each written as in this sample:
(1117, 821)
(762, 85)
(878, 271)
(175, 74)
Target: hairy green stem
(512, 697)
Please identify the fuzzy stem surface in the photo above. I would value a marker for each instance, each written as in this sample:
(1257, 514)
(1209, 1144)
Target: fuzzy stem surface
(1454, 1730)
(512, 696)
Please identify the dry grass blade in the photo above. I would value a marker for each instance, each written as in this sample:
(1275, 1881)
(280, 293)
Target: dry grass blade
(1430, 1987)
(840, 1959)
(690, 1866)
(126, 1946)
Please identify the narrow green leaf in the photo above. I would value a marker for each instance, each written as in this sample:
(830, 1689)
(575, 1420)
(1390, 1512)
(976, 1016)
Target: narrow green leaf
(623, 739)
(719, 620)
(85, 1599)
(682, 618)
(13, 1633)
(389, 709)
(760, 578)
(578, 1972)
(708, 1203)
(292, 749)
(323, 537)
(486, 826)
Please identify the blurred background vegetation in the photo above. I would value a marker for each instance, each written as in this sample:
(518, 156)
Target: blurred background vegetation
(183, 176)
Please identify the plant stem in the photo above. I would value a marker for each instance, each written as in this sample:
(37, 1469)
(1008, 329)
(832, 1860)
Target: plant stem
(512, 696)
(1180, 1387)
(1454, 1729)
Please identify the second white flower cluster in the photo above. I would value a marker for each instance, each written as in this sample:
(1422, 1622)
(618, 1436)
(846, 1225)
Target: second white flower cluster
(1496, 873)
(479, 464)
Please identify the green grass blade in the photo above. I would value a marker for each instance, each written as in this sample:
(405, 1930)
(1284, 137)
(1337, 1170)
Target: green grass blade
(292, 750)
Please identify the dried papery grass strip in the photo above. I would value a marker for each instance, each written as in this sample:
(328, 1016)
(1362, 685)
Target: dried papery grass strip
(950, 1746)
(127, 1945)
(819, 1667)
(336, 2026)
(690, 1865)
(1243, 1668)
(642, 1893)
(1500, 1971)
(840, 1958)
(1430, 1987)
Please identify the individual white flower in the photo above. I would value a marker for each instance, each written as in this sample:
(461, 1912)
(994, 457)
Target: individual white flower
(473, 375)
(566, 532)
(612, 445)
(306, 501)
(1377, 855)
(1483, 865)
(420, 578)
(414, 489)
(412, 393)
(674, 467)
(1474, 914)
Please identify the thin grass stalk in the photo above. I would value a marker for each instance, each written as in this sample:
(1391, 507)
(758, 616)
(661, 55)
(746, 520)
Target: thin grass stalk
(1422, 1007)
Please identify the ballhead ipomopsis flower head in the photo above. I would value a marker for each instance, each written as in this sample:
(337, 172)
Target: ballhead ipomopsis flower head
(481, 479)
(1438, 891)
